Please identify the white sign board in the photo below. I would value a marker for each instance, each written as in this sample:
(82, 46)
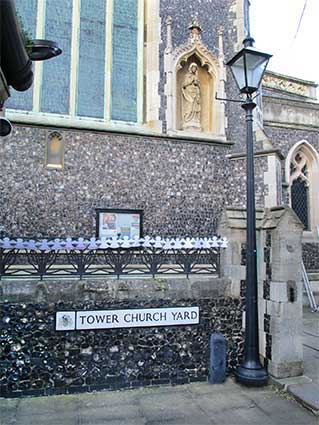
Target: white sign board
(111, 319)
(119, 225)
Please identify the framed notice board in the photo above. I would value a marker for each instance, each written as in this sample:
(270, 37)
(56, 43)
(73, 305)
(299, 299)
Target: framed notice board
(119, 223)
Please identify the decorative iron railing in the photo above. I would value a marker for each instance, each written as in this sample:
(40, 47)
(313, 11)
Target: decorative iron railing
(20, 258)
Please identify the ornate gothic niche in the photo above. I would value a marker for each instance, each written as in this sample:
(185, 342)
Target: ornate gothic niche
(194, 74)
(196, 112)
(54, 158)
(302, 173)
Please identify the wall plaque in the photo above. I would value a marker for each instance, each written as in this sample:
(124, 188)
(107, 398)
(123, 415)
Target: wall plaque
(110, 319)
(116, 223)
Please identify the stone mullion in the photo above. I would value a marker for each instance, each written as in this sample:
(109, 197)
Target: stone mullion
(108, 60)
(140, 61)
(74, 56)
(38, 65)
(151, 56)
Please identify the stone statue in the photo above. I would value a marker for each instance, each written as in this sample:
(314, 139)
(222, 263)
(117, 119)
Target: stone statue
(191, 99)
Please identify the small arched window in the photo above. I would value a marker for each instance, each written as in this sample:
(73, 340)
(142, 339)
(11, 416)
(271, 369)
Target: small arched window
(54, 158)
(303, 171)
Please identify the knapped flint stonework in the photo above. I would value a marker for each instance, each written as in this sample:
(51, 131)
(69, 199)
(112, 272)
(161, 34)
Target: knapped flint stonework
(37, 360)
(310, 256)
(285, 138)
(181, 186)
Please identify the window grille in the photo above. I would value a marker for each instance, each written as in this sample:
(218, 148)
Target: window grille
(299, 189)
(299, 201)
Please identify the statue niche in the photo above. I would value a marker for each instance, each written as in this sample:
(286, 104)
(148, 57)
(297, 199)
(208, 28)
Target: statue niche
(194, 97)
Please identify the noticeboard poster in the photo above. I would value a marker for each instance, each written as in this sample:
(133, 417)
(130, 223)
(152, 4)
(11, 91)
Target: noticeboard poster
(119, 223)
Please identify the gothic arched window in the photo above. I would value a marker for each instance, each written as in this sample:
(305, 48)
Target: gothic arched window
(299, 188)
(303, 175)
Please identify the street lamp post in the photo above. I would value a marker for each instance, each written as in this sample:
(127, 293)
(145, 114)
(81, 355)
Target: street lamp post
(248, 67)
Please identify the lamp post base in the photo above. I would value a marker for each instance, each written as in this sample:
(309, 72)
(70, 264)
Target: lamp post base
(251, 374)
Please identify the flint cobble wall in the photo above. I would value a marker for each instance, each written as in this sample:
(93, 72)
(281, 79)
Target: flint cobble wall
(310, 256)
(182, 187)
(285, 138)
(37, 360)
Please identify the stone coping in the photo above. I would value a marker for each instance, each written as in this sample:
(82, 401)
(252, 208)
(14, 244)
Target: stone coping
(53, 290)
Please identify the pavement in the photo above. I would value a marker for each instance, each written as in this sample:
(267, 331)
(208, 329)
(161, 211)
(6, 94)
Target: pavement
(191, 404)
(305, 389)
(194, 404)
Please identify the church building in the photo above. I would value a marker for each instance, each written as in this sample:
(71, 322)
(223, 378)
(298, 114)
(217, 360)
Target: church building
(135, 119)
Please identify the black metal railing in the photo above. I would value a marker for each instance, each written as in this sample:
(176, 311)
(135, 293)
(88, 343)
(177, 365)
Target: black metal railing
(99, 258)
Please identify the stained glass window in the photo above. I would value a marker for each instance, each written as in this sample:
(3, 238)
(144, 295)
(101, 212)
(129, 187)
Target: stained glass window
(124, 61)
(91, 73)
(55, 93)
(100, 46)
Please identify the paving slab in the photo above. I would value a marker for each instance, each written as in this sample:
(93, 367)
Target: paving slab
(242, 416)
(310, 340)
(305, 389)
(306, 394)
(68, 419)
(191, 404)
(311, 322)
(311, 363)
(173, 407)
(276, 407)
(283, 383)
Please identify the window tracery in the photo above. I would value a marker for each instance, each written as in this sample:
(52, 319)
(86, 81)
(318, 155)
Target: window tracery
(303, 173)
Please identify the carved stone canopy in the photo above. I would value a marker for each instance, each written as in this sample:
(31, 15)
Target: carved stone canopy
(195, 46)
(194, 109)
(194, 26)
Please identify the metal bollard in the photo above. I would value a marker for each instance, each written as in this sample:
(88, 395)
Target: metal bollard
(217, 363)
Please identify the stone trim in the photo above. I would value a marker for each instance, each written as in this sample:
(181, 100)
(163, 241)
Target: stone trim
(152, 64)
(290, 126)
(290, 113)
(279, 282)
(38, 65)
(267, 152)
(285, 83)
(75, 45)
(66, 124)
(312, 156)
(174, 60)
(238, 9)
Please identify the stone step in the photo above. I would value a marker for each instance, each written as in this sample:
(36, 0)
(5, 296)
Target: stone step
(307, 395)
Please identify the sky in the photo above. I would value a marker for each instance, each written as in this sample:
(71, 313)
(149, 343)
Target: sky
(274, 25)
